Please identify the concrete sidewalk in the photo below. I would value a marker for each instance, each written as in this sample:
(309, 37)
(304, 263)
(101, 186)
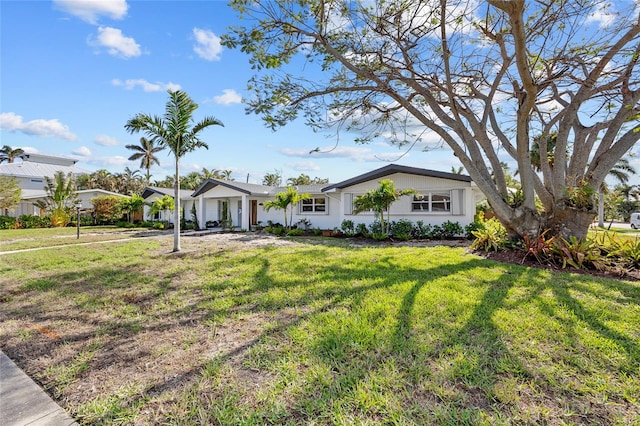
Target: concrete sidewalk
(23, 402)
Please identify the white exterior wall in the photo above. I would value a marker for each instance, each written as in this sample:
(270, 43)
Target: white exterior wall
(462, 208)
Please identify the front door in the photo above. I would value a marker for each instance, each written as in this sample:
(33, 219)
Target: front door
(254, 212)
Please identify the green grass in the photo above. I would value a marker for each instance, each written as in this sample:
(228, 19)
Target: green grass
(319, 334)
(23, 239)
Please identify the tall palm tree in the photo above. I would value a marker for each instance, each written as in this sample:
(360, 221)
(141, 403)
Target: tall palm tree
(226, 175)
(176, 131)
(146, 153)
(9, 154)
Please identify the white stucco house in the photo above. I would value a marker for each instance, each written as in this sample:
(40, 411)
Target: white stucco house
(440, 197)
(30, 174)
(153, 193)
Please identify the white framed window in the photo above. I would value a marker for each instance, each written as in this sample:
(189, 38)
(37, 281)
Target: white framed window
(314, 205)
(433, 202)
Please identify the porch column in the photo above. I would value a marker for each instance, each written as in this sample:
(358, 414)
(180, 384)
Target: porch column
(245, 212)
(202, 212)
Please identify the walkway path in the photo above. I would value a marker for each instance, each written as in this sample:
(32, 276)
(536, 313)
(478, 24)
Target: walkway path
(23, 402)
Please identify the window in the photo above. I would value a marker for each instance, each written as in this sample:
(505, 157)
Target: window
(314, 205)
(432, 202)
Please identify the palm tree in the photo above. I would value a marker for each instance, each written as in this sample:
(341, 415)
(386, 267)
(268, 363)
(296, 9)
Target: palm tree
(164, 204)
(289, 197)
(226, 175)
(620, 172)
(272, 179)
(61, 197)
(210, 174)
(176, 131)
(379, 200)
(146, 153)
(9, 154)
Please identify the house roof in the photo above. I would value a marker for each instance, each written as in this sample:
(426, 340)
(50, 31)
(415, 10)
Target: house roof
(30, 169)
(60, 160)
(185, 194)
(395, 168)
(245, 188)
(253, 188)
(28, 194)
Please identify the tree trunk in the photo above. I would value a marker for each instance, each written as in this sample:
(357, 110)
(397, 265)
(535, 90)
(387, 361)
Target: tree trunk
(176, 211)
(601, 207)
(563, 222)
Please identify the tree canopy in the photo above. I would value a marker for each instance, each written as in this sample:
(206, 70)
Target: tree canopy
(483, 78)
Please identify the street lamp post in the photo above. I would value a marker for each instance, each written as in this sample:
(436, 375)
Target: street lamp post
(78, 207)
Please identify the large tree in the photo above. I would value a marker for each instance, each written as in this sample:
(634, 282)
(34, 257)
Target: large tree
(177, 131)
(146, 153)
(10, 194)
(484, 77)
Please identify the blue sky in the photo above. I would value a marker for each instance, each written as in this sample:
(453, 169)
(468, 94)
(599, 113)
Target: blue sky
(73, 73)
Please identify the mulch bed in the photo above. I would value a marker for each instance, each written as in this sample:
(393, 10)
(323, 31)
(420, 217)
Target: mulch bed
(518, 257)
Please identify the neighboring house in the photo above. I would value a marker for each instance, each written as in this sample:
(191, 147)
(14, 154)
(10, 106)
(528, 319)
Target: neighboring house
(31, 173)
(30, 197)
(153, 193)
(439, 197)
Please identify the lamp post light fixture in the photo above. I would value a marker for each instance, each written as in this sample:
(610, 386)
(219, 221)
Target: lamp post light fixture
(78, 207)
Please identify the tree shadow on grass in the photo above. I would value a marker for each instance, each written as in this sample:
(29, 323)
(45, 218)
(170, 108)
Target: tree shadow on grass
(360, 349)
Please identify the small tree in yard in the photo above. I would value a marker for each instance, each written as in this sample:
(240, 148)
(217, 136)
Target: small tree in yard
(288, 198)
(61, 197)
(107, 208)
(10, 193)
(132, 205)
(164, 204)
(379, 200)
(482, 78)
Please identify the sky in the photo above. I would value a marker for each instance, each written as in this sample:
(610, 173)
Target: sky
(74, 71)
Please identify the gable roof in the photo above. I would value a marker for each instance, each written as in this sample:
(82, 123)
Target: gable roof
(185, 194)
(245, 188)
(396, 168)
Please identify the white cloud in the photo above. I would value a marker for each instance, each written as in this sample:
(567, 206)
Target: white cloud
(107, 162)
(91, 10)
(145, 85)
(105, 140)
(304, 166)
(208, 45)
(354, 153)
(604, 16)
(116, 43)
(12, 122)
(83, 151)
(228, 97)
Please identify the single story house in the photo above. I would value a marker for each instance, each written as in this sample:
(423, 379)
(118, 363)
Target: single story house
(30, 174)
(440, 197)
(153, 193)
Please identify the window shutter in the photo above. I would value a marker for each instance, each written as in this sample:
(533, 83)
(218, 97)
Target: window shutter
(457, 202)
(348, 204)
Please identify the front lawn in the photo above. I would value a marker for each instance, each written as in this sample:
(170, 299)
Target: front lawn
(306, 332)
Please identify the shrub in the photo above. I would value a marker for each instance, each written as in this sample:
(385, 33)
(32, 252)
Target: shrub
(348, 227)
(7, 222)
(473, 226)
(158, 225)
(401, 229)
(451, 230)
(375, 228)
(361, 229)
(295, 232)
(421, 231)
(579, 253)
(492, 235)
(436, 233)
(30, 221)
